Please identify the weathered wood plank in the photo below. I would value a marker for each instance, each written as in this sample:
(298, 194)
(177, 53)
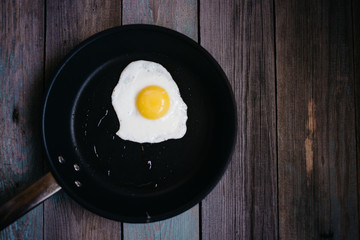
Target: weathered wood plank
(184, 226)
(356, 44)
(240, 35)
(316, 128)
(21, 86)
(67, 24)
(181, 16)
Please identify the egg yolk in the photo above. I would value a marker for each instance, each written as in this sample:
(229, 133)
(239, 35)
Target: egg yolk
(152, 102)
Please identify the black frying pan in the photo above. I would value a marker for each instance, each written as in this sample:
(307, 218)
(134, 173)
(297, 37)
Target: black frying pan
(128, 181)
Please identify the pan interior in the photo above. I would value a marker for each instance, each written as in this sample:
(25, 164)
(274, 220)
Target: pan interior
(136, 169)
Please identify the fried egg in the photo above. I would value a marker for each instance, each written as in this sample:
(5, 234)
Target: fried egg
(148, 104)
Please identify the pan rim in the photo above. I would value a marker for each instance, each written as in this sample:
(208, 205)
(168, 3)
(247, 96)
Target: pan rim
(196, 198)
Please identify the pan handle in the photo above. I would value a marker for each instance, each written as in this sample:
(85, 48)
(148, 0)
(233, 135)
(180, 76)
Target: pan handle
(16, 207)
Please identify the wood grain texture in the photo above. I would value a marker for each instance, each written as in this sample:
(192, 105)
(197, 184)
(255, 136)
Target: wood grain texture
(21, 86)
(181, 16)
(317, 118)
(67, 24)
(356, 44)
(240, 35)
(178, 15)
(184, 226)
(316, 128)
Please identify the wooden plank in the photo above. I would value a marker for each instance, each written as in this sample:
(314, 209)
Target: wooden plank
(21, 86)
(316, 128)
(240, 35)
(356, 41)
(184, 226)
(181, 16)
(68, 22)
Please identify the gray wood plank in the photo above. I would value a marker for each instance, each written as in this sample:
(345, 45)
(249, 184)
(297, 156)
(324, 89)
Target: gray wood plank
(316, 113)
(67, 24)
(180, 16)
(21, 86)
(240, 35)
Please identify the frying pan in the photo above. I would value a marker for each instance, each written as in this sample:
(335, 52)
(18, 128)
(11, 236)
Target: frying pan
(124, 180)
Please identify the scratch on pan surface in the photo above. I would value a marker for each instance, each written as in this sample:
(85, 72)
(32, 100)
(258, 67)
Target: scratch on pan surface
(309, 141)
(106, 113)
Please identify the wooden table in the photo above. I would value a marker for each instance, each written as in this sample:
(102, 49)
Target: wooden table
(294, 68)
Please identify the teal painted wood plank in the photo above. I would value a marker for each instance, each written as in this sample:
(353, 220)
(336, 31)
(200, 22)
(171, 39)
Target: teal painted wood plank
(180, 16)
(240, 35)
(65, 219)
(21, 88)
(69, 22)
(184, 226)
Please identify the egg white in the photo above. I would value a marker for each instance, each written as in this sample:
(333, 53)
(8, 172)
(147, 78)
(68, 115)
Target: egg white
(133, 126)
